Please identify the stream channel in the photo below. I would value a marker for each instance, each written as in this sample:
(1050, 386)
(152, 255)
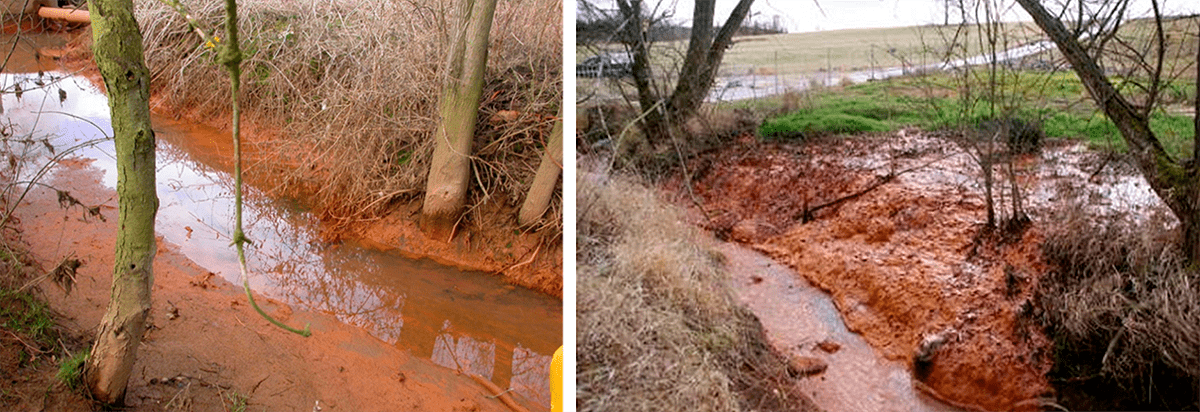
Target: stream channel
(460, 319)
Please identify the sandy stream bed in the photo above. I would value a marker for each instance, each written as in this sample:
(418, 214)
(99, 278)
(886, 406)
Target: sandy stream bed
(900, 263)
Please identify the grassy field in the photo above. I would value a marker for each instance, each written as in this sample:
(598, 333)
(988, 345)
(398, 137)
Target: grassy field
(841, 50)
(855, 49)
(1054, 100)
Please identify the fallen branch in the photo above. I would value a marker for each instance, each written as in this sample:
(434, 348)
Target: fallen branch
(501, 394)
(807, 214)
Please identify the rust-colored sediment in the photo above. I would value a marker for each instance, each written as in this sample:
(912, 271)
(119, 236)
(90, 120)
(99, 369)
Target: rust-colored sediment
(488, 245)
(217, 344)
(899, 261)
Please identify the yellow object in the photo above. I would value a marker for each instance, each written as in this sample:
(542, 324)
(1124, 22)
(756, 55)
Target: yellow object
(556, 381)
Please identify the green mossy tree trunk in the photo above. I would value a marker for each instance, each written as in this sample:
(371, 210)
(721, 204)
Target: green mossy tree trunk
(1177, 183)
(542, 189)
(458, 108)
(117, 46)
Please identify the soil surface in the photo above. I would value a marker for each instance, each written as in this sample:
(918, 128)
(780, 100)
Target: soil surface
(908, 263)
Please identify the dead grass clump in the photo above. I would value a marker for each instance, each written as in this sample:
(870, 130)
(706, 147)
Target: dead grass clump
(349, 90)
(1124, 310)
(658, 326)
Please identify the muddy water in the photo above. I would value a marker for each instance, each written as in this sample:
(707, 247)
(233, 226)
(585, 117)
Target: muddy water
(797, 316)
(460, 319)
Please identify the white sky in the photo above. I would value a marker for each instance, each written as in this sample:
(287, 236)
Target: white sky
(804, 15)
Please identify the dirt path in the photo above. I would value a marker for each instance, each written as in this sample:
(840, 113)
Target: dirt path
(206, 342)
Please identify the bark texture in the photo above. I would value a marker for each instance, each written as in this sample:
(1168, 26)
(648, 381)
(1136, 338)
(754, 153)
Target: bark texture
(665, 116)
(117, 47)
(1176, 183)
(546, 178)
(458, 108)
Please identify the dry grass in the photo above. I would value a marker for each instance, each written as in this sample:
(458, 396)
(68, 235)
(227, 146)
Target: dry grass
(348, 91)
(1124, 306)
(658, 326)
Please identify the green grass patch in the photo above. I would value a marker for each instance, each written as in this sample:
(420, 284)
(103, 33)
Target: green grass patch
(1058, 103)
(1174, 131)
(236, 402)
(824, 121)
(70, 372)
(21, 312)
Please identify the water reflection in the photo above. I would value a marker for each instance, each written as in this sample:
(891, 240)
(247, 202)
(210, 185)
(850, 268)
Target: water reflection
(465, 354)
(462, 320)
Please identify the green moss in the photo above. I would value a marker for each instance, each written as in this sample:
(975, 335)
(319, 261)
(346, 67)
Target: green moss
(23, 313)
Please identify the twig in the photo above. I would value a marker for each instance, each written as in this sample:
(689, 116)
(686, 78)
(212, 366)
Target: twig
(230, 56)
(526, 262)
(31, 348)
(501, 394)
(807, 214)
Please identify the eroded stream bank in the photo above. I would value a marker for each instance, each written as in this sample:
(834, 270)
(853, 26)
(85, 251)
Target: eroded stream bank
(904, 264)
(461, 320)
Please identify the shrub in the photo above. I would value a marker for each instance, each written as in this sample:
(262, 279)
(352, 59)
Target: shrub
(345, 93)
(1022, 136)
(1123, 308)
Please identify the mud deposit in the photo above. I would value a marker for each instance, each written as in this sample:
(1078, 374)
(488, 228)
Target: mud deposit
(390, 332)
(905, 263)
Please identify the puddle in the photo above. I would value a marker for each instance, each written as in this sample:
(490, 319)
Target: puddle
(459, 319)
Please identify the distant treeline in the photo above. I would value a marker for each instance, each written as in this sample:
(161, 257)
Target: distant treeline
(603, 30)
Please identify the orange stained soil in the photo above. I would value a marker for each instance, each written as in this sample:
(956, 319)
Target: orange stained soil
(901, 261)
(205, 341)
(523, 261)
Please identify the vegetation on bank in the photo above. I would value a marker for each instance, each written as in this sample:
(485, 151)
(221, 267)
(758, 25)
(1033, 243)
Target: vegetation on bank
(1056, 102)
(1123, 309)
(346, 100)
(658, 325)
(35, 363)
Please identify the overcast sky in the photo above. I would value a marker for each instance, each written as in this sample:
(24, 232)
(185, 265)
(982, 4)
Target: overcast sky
(804, 15)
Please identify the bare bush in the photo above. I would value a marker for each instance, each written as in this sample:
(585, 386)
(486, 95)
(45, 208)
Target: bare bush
(1124, 294)
(346, 93)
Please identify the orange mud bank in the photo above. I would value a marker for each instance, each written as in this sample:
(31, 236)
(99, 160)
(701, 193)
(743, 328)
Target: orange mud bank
(205, 342)
(490, 245)
(905, 263)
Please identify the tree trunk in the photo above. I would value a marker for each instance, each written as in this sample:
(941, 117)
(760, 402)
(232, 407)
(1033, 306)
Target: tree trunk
(654, 115)
(665, 116)
(458, 108)
(704, 57)
(1176, 184)
(546, 179)
(117, 47)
